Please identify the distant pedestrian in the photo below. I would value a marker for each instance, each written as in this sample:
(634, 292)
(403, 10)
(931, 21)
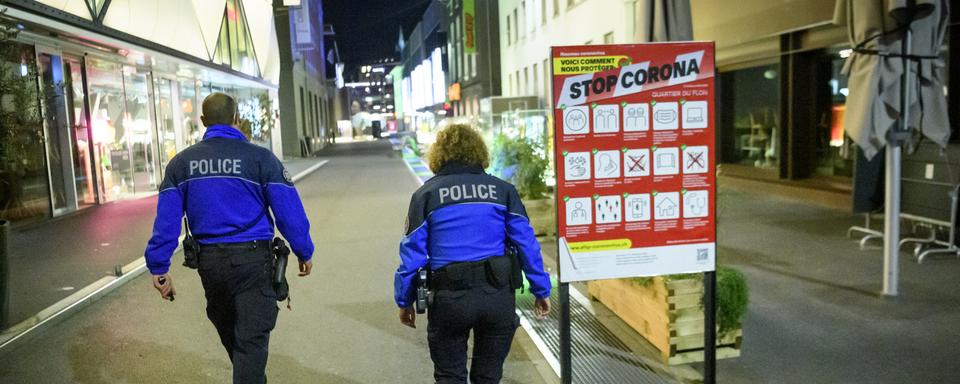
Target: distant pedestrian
(459, 226)
(227, 187)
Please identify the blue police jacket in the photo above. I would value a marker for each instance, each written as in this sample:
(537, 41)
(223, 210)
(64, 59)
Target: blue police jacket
(461, 215)
(222, 184)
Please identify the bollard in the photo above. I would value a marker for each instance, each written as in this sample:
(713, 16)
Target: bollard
(4, 274)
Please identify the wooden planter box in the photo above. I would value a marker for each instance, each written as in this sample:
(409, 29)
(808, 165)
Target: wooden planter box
(667, 313)
(543, 216)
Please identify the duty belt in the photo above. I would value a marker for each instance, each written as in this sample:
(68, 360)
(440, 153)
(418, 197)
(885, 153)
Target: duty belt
(255, 244)
(493, 271)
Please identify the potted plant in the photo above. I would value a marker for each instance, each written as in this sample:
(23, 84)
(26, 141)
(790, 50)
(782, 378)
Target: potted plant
(19, 118)
(668, 311)
(521, 162)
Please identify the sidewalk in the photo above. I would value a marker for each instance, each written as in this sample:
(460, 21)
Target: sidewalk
(815, 314)
(51, 260)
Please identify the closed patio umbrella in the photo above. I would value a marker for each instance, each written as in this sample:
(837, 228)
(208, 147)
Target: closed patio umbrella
(665, 20)
(896, 91)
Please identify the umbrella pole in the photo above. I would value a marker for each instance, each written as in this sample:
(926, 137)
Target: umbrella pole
(891, 241)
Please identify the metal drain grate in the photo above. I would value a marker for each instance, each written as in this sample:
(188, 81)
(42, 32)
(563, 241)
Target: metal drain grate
(598, 355)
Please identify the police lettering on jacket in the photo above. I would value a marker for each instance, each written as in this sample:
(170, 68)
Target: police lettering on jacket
(215, 167)
(467, 192)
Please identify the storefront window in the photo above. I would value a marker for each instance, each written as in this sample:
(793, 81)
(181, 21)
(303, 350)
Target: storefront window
(24, 188)
(83, 170)
(57, 136)
(121, 130)
(255, 112)
(255, 108)
(139, 131)
(190, 112)
(834, 150)
(749, 116)
(165, 122)
(105, 86)
(234, 45)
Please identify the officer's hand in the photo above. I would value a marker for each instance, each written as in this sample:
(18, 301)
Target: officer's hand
(408, 317)
(166, 288)
(542, 308)
(305, 268)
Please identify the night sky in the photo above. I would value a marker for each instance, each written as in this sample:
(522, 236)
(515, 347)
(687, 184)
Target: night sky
(368, 29)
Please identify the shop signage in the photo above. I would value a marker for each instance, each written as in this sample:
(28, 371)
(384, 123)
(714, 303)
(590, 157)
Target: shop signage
(635, 159)
(453, 92)
(469, 28)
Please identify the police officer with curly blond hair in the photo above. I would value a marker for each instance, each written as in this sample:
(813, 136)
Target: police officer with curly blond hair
(459, 225)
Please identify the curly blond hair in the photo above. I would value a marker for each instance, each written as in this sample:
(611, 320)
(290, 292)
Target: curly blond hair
(458, 143)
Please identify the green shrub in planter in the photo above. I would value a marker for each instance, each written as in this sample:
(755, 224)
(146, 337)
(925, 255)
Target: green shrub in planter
(502, 155)
(411, 142)
(732, 295)
(521, 156)
(732, 298)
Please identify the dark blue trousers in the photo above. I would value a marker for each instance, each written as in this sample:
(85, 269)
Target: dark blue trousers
(241, 304)
(490, 313)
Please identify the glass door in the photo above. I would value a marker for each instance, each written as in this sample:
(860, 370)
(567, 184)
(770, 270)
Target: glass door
(77, 113)
(58, 137)
(111, 152)
(138, 124)
(190, 113)
(166, 128)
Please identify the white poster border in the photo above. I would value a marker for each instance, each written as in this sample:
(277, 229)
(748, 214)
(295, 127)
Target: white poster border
(635, 262)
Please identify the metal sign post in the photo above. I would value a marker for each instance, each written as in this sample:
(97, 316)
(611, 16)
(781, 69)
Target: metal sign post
(709, 327)
(566, 371)
(4, 273)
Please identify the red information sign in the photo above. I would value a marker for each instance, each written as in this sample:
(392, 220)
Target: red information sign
(635, 159)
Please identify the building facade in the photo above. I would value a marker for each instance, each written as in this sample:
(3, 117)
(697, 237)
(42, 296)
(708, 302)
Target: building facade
(781, 90)
(781, 94)
(423, 89)
(528, 28)
(307, 95)
(473, 53)
(96, 97)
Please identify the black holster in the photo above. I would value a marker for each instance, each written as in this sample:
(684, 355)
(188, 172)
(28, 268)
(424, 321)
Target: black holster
(424, 295)
(281, 254)
(499, 271)
(512, 252)
(191, 252)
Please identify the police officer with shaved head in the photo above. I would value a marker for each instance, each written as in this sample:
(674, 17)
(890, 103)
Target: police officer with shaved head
(224, 190)
(461, 226)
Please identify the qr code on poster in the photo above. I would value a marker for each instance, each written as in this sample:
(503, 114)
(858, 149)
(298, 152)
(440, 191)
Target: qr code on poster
(702, 254)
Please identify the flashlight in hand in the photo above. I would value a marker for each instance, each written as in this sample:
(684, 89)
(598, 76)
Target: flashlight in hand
(163, 281)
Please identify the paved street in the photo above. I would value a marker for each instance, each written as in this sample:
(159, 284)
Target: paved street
(815, 315)
(342, 329)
